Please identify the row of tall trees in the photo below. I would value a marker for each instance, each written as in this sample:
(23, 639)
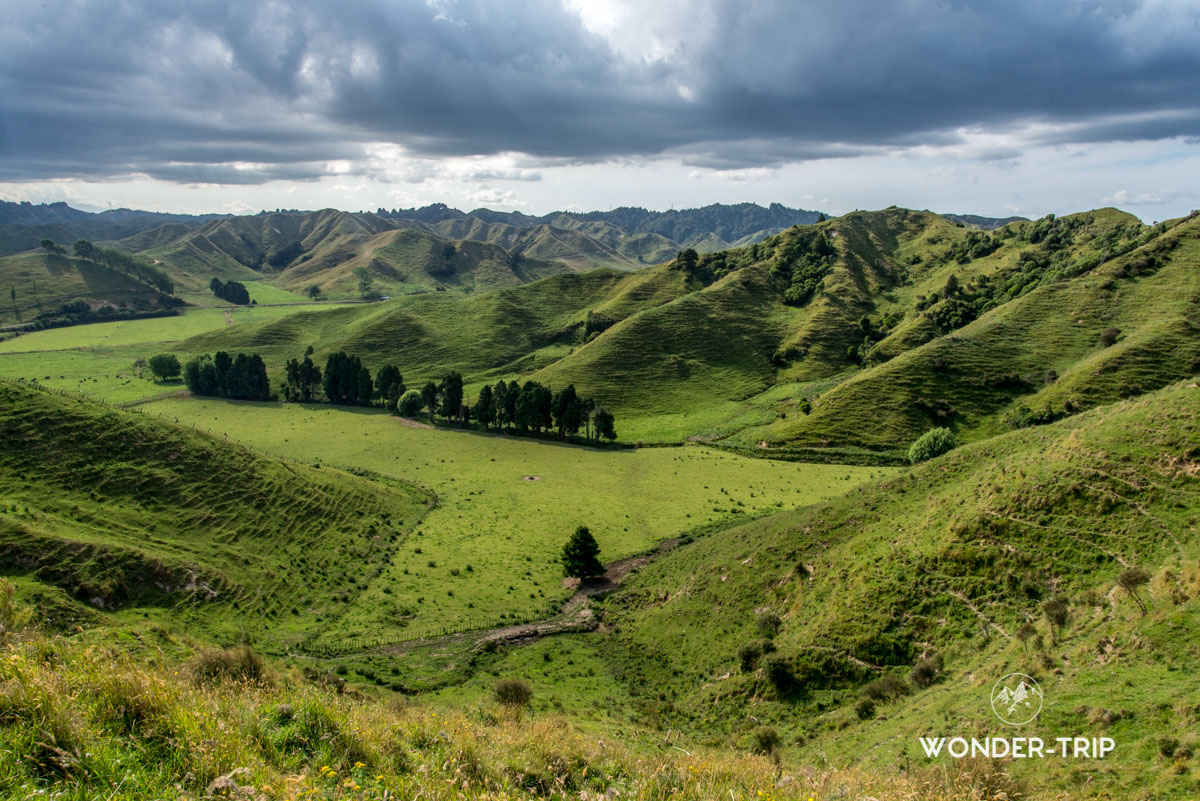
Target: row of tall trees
(509, 406)
(243, 376)
(123, 262)
(536, 407)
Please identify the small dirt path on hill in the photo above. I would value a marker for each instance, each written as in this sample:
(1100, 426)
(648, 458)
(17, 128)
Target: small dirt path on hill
(576, 614)
(404, 421)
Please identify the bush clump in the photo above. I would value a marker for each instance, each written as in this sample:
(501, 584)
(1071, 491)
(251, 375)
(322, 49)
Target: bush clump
(514, 693)
(926, 671)
(768, 624)
(239, 663)
(886, 687)
(865, 709)
(933, 442)
(766, 740)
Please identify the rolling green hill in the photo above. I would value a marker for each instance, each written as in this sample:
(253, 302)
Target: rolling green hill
(120, 510)
(952, 559)
(43, 281)
(903, 321)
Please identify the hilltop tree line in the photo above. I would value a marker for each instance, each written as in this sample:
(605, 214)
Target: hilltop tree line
(509, 406)
(232, 291)
(242, 377)
(122, 262)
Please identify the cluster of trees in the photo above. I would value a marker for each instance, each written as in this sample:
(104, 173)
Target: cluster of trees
(711, 267)
(80, 311)
(231, 291)
(872, 333)
(506, 405)
(803, 260)
(535, 407)
(303, 380)
(975, 245)
(243, 377)
(122, 262)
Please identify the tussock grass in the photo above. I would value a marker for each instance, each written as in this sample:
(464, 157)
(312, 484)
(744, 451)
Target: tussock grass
(81, 720)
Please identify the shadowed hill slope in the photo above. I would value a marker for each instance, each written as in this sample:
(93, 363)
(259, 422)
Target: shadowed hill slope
(119, 509)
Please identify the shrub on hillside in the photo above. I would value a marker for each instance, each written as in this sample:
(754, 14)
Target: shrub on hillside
(750, 653)
(768, 624)
(1109, 336)
(865, 709)
(886, 687)
(766, 740)
(748, 656)
(238, 663)
(926, 671)
(933, 442)
(778, 669)
(514, 693)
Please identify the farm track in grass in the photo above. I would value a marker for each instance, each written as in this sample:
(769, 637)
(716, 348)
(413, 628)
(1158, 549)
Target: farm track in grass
(575, 616)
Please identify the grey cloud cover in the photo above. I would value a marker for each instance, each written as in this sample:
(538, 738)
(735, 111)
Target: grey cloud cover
(294, 90)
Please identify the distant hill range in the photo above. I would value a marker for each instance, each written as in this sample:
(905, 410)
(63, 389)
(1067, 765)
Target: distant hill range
(405, 250)
(982, 223)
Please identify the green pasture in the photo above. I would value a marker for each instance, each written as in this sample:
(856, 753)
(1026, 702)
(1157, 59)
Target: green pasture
(506, 504)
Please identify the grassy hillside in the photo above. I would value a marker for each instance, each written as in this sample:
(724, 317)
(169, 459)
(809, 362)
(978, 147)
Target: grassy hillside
(485, 336)
(85, 717)
(120, 510)
(1045, 352)
(951, 559)
(42, 282)
(888, 322)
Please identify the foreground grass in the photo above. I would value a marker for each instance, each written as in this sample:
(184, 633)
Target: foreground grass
(82, 720)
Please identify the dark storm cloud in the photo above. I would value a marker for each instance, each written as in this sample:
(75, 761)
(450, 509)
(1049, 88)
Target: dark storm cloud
(182, 91)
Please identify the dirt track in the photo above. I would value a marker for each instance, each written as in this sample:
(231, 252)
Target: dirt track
(576, 614)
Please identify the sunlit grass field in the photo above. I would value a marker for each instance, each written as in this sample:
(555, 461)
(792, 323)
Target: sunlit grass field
(507, 504)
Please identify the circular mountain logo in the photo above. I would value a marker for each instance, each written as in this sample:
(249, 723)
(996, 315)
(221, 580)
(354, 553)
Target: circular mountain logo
(1016, 699)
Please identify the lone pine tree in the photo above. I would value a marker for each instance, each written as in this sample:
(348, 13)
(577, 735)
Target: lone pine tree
(580, 556)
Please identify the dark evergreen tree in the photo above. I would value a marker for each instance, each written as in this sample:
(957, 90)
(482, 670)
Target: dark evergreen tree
(568, 411)
(222, 361)
(200, 376)
(429, 397)
(366, 389)
(525, 414)
(604, 422)
(451, 391)
(484, 410)
(510, 403)
(499, 413)
(389, 385)
(581, 555)
(586, 407)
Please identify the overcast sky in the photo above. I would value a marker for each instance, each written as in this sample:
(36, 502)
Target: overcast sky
(994, 108)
